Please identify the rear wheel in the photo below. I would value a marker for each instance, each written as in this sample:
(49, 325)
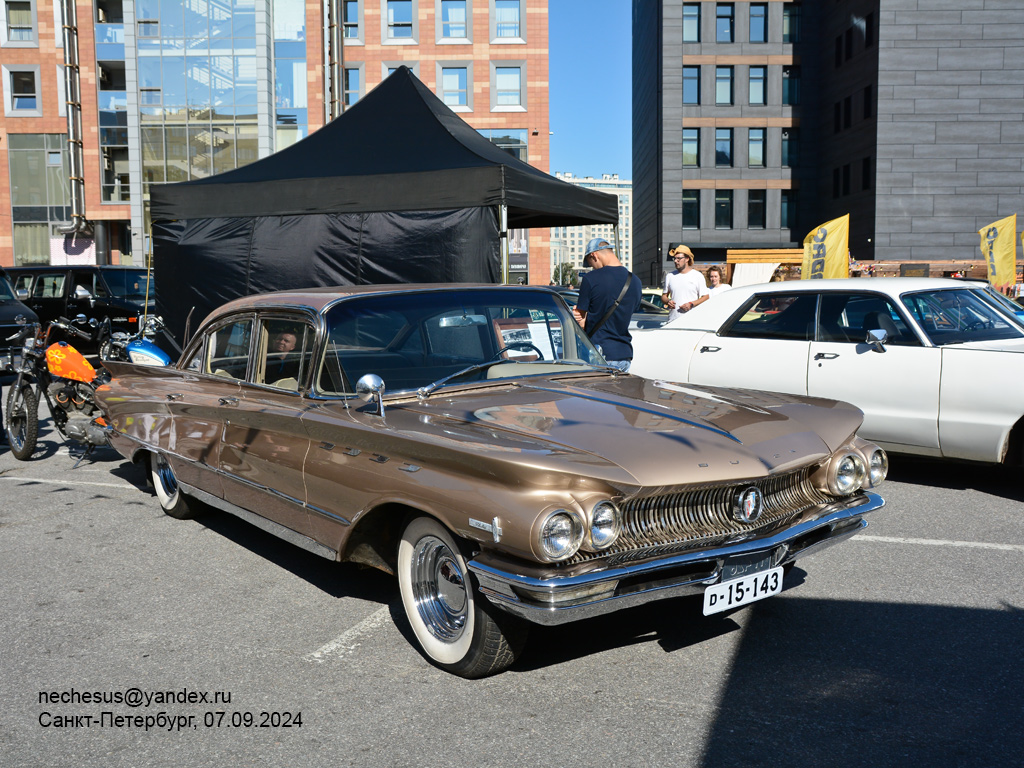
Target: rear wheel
(21, 422)
(172, 500)
(457, 629)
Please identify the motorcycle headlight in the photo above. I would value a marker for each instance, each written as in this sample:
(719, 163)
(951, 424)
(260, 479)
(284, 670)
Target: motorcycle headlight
(560, 535)
(604, 525)
(28, 347)
(878, 467)
(846, 474)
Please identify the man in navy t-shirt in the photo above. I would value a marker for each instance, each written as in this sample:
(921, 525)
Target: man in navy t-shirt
(598, 291)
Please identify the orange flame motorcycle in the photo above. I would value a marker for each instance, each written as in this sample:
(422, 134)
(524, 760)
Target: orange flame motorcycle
(67, 382)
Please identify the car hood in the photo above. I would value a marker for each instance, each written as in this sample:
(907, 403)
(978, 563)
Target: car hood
(632, 430)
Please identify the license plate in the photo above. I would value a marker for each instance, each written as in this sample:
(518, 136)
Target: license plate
(737, 592)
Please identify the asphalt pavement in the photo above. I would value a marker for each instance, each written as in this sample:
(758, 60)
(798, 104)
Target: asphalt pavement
(132, 639)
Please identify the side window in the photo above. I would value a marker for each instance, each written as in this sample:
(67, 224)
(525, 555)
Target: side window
(847, 317)
(49, 286)
(228, 350)
(86, 280)
(24, 283)
(285, 353)
(776, 316)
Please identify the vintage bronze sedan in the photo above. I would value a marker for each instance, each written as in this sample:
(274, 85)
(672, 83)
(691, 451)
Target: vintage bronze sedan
(471, 440)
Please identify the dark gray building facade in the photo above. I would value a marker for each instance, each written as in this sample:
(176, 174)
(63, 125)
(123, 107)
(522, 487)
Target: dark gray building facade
(753, 122)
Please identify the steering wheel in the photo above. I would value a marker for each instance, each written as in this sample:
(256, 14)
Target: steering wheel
(979, 325)
(518, 345)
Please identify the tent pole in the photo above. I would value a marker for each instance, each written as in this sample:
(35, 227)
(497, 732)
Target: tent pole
(503, 235)
(618, 248)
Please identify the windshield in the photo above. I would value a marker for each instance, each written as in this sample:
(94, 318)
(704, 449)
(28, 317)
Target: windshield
(997, 299)
(958, 316)
(6, 292)
(412, 340)
(128, 284)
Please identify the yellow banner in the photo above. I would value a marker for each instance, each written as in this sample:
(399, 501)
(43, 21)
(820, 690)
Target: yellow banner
(999, 249)
(827, 250)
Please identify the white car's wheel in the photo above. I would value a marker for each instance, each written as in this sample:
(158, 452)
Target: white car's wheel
(171, 499)
(455, 627)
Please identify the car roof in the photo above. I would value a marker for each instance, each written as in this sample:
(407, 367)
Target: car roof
(712, 313)
(319, 298)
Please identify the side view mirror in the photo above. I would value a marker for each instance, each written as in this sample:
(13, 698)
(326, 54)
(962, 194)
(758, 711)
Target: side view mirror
(371, 387)
(22, 294)
(81, 292)
(877, 338)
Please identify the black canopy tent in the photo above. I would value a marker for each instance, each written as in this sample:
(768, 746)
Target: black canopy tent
(397, 189)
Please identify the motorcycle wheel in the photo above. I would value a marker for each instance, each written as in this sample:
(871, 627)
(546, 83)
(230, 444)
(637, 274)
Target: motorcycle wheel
(21, 422)
(106, 350)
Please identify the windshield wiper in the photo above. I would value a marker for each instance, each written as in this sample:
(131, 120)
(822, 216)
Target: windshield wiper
(426, 390)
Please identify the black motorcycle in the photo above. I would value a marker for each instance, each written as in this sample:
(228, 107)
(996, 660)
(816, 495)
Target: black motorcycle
(59, 374)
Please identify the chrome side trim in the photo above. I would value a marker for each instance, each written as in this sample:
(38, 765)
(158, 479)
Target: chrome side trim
(616, 588)
(282, 532)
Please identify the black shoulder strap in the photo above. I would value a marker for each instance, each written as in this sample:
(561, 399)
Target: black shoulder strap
(622, 293)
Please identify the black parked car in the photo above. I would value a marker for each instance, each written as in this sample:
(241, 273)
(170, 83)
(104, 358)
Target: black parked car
(14, 316)
(100, 292)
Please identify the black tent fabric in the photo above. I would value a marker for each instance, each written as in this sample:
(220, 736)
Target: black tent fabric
(400, 148)
(398, 189)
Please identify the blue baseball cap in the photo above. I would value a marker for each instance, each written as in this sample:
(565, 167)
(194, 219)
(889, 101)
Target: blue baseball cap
(597, 244)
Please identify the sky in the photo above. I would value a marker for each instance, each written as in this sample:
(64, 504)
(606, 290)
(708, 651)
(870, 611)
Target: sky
(590, 44)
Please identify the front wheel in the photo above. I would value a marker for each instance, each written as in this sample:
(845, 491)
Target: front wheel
(172, 500)
(457, 629)
(21, 422)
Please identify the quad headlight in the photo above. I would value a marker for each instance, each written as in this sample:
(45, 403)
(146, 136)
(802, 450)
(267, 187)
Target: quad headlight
(846, 473)
(878, 467)
(605, 525)
(560, 535)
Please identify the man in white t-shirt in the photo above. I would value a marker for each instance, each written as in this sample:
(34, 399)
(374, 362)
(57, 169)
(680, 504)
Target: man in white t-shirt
(685, 287)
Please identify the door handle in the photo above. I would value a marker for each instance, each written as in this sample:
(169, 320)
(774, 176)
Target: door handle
(710, 349)
(228, 401)
(175, 396)
(826, 356)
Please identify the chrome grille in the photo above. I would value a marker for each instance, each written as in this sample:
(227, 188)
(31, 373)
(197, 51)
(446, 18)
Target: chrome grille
(702, 517)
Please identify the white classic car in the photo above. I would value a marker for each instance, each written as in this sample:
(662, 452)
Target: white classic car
(936, 364)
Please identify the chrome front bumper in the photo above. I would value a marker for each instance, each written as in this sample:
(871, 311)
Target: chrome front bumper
(560, 599)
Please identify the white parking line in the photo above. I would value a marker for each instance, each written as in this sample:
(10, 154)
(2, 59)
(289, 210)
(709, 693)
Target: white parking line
(942, 543)
(50, 481)
(349, 640)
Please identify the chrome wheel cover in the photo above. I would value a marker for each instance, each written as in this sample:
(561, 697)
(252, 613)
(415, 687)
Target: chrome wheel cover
(439, 587)
(165, 475)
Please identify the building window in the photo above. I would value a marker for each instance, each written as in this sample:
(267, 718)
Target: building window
(691, 23)
(723, 147)
(454, 86)
(507, 88)
(790, 147)
(756, 202)
(723, 209)
(454, 20)
(353, 85)
(758, 23)
(869, 30)
(21, 91)
(755, 148)
(691, 85)
(869, 102)
(724, 23)
(790, 86)
(791, 23)
(787, 211)
(758, 92)
(837, 117)
(691, 147)
(723, 85)
(20, 22)
(507, 21)
(866, 169)
(691, 209)
(350, 19)
(849, 43)
(847, 111)
(838, 55)
(399, 16)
